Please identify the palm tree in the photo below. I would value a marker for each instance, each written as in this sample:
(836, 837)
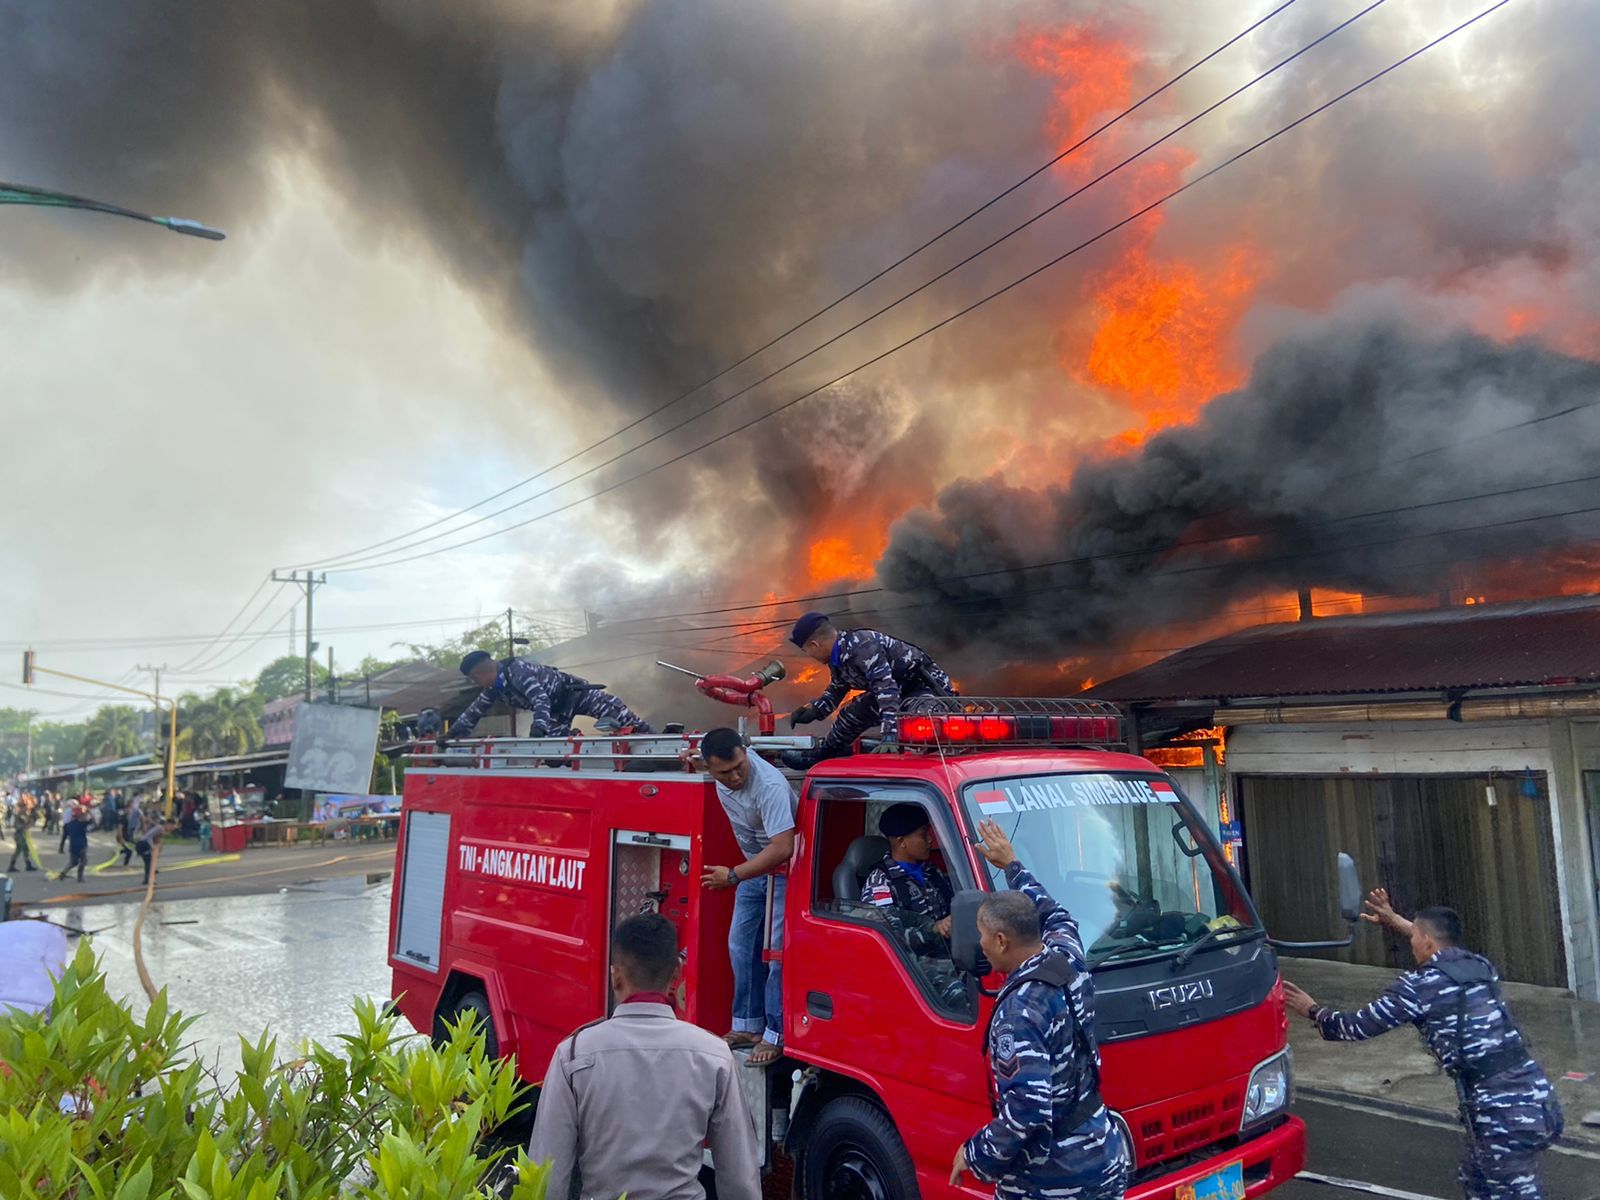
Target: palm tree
(226, 722)
(113, 732)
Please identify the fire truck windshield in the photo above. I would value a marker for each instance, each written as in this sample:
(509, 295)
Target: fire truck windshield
(1125, 854)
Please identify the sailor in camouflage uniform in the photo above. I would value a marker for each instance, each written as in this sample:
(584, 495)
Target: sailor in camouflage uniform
(1052, 1135)
(908, 884)
(884, 669)
(552, 696)
(1507, 1104)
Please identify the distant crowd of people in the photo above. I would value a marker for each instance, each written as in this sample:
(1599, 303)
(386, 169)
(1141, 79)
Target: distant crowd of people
(137, 820)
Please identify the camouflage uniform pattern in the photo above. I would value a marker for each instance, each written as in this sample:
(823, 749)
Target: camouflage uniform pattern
(1041, 1074)
(886, 670)
(1509, 1118)
(914, 908)
(552, 696)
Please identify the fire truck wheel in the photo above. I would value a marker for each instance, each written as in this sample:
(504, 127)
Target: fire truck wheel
(473, 1002)
(855, 1153)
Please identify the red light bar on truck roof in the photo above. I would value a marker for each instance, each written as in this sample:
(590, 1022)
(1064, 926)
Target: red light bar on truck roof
(965, 722)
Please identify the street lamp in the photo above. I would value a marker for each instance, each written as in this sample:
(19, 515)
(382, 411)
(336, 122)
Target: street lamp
(17, 193)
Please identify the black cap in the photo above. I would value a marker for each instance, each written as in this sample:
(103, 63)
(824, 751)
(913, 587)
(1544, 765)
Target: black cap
(806, 626)
(901, 819)
(470, 662)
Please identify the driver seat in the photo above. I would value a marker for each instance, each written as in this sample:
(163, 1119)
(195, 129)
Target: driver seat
(864, 854)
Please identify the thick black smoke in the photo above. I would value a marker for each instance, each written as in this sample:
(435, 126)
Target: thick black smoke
(650, 187)
(1345, 418)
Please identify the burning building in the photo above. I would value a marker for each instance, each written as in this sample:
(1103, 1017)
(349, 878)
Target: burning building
(1454, 752)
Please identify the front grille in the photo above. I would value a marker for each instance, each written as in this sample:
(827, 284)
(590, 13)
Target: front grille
(1184, 1123)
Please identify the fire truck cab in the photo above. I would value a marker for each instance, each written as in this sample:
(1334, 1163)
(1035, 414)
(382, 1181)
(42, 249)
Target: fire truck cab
(517, 857)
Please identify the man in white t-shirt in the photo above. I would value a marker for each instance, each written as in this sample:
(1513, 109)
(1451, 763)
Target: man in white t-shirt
(760, 804)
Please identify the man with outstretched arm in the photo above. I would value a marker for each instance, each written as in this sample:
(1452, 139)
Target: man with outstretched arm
(1508, 1107)
(885, 669)
(552, 696)
(1051, 1134)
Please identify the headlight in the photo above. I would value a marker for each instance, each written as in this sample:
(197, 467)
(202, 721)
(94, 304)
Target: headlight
(1268, 1091)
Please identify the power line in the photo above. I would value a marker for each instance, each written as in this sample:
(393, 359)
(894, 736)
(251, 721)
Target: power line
(242, 609)
(958, 314)
(1086, 559)
(205, 659)
(829, 307)
(1106, 555)
(114, 643)
(358, 561)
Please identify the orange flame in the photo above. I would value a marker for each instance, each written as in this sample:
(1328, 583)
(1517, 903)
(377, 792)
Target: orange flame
(834, 557)
(1161, 327)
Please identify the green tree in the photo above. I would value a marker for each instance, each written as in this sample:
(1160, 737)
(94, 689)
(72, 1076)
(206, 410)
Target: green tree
(286, 676)
(113, 732)
(96, 1102)
(225, 722)
(490, 637)
(14, 723)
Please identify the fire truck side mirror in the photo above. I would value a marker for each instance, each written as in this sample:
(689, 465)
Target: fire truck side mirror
(964, 949)
(1349, 889)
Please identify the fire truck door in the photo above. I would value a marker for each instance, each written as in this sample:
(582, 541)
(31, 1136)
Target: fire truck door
(650, 873)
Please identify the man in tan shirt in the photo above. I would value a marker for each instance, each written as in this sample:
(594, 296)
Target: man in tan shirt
(630, 1102)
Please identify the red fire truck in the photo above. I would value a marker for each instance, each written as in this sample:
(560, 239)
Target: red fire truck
(517, 856)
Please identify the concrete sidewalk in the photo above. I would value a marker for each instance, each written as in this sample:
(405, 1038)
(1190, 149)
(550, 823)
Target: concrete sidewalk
(1396, 1068)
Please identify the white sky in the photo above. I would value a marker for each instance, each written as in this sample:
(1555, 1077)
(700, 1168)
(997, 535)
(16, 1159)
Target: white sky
(171, 440)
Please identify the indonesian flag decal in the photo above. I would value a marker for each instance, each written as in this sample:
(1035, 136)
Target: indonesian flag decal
(992, 802)
(881, 895)
(1164, 790)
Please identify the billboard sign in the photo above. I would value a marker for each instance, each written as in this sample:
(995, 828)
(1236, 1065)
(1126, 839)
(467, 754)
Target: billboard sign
(333, 748)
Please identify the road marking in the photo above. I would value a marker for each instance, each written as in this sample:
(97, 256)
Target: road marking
(1358, 1185)
(1435, 1123)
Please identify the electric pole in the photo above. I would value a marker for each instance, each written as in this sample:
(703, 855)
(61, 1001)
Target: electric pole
(155, 673)
(155, 689)
(511, 641)
(310, 583)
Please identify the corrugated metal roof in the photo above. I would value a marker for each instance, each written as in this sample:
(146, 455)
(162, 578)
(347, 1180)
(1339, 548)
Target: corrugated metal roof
(1531, 643)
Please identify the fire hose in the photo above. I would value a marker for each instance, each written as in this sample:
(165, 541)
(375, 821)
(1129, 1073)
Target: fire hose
(739, 691)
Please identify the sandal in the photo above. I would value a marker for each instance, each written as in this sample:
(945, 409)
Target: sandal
(740, 1040)
(764, 1055)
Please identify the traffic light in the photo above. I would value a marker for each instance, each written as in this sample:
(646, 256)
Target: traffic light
(27, 667)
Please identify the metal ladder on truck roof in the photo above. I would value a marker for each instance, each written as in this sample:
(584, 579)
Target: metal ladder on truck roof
(606, 752)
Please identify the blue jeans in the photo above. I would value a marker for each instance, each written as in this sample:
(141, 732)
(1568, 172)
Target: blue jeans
(757, 985)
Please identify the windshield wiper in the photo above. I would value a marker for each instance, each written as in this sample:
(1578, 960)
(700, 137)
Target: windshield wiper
(1140, 947)
(1186, 955)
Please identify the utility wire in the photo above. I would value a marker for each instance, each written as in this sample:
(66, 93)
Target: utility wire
(242, 609)
(1154, 551)
(357, 562)
(959, 313)
(829, 307)
(205, 659)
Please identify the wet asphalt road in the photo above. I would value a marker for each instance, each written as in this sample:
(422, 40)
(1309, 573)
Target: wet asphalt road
(1355, 1141)
(290, 960)
(293, 958)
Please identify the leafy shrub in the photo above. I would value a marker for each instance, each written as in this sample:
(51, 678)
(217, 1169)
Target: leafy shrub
(98, 1104)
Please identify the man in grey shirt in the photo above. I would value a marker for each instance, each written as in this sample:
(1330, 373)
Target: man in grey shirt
(760, 804)
(629, 1102)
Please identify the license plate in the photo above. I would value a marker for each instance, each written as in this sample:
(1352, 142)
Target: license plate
(1226, 1184)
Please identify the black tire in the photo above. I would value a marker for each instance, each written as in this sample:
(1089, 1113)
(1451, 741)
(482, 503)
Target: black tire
(855, 1153)
(470, 1002)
